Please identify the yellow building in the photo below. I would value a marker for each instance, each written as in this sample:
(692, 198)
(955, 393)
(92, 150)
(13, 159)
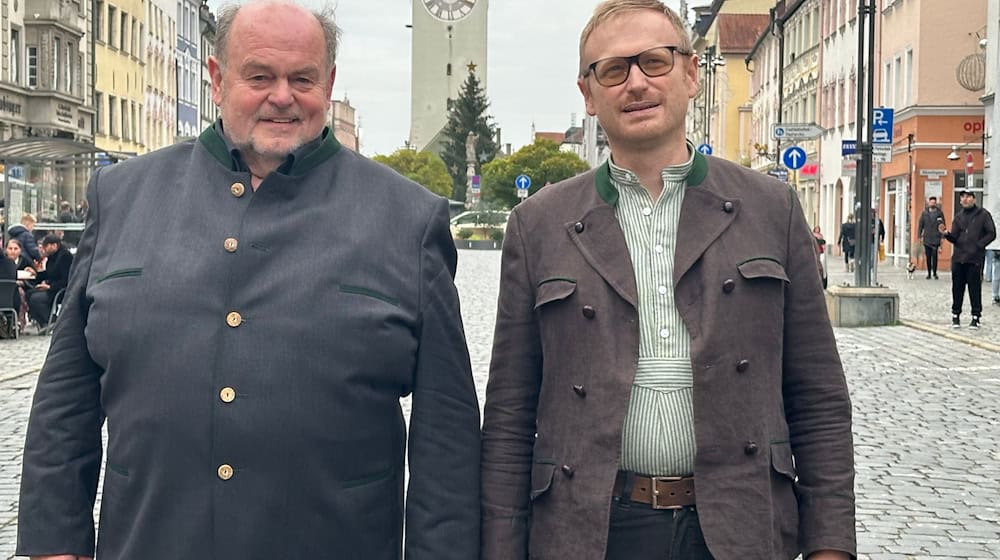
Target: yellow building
(120, 46)
(721, 113)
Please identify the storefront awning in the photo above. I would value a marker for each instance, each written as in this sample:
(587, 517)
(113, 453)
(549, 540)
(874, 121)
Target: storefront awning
(51, 149)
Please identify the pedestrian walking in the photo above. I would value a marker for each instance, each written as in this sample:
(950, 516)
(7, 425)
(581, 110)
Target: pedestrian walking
(972, 229)
(664, 374)
(847, 240)
(252, 388)
(930, 236)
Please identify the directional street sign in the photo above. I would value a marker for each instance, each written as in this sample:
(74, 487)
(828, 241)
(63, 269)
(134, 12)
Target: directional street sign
(882, 153)
(794, 157)
(522, 182)
(705, 149)
(848, 147)
(795, 131)
(780, 174)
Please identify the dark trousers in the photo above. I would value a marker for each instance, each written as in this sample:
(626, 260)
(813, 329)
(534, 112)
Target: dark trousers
(639, 532)
(931, 253)
(962, 275)
(39, 306)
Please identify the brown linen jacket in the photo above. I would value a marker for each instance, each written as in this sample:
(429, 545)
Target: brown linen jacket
(774, 470)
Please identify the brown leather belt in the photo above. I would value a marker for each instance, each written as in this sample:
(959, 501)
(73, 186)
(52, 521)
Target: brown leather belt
(660, 492)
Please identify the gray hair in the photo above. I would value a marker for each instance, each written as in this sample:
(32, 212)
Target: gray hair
(323, 15)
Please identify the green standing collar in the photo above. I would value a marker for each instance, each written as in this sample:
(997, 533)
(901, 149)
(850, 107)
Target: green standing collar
(608, 192)
(216, 146)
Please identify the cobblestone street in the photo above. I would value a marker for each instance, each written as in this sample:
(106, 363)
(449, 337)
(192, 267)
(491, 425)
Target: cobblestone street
(926, 405)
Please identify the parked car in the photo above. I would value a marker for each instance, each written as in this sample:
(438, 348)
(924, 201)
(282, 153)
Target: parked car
(479, 220)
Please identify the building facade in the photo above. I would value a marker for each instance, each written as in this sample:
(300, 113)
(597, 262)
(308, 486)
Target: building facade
(188, 68)
(448, 37)
(837, 113)
(46, 91)
(207, 109)
(933, 75)
(161, 74)
(343, 121)
(120, 70)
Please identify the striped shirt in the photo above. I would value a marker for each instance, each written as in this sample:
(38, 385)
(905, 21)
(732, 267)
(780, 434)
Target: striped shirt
(658, 436)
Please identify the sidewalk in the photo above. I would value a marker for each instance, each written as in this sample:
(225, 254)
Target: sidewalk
(926, 304)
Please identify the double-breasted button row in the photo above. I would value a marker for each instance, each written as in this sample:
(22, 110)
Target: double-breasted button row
(237, 189)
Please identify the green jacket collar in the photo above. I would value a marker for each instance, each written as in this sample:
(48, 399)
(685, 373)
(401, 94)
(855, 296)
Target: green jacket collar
(298, 163)
(608, 192)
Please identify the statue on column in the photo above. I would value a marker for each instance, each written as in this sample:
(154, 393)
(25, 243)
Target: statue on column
(470, 171)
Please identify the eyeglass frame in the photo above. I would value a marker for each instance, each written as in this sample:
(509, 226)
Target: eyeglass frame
(634, 61)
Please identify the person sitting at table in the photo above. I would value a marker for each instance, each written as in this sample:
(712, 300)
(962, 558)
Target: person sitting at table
(54, 278)
(24, 273)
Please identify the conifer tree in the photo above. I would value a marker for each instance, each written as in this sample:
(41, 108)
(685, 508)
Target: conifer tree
(468, 114)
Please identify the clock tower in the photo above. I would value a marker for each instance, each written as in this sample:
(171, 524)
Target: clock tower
(449, 38)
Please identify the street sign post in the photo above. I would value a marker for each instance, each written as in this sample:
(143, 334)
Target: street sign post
(795, 131)
(523, 183)
(882, 119)
(705, 149)
(794, 157)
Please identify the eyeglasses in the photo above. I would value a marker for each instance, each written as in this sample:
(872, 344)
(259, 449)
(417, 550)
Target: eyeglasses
(658, 61)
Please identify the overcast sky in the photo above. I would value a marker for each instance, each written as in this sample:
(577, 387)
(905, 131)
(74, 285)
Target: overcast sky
(532, 59)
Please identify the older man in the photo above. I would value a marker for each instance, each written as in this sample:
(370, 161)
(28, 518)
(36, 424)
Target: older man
(251, 386)
(665, 383)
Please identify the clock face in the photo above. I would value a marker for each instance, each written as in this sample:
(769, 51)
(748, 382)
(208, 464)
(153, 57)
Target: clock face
(449, 10)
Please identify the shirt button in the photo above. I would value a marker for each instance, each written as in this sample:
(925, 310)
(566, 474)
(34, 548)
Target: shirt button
(234, 319)
(658, 249)
(580, 391)
(578, 227)
(589, 312)
(568, 471)
(664, 333)
(729, 285)
(227, 394)
(750, 448)
(237, 189)
(662, 290)
(742, 366)
(647, 211)
(728, 207)
(231, 244)
(225, 472)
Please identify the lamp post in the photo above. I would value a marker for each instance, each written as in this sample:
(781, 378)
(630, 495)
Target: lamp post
(709, 62)
(969, 163)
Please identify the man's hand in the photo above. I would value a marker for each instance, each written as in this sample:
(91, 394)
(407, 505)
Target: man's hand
(62, 557)
(42, 286)
(829, 555)
(942, 229)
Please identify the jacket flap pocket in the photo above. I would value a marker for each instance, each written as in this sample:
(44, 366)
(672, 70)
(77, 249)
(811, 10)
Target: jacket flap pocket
(554, 289)
(763, 267)
(781, 459)
(541, 478)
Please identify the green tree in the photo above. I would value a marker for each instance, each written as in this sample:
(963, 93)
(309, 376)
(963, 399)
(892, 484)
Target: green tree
(425, 168)
(542, 161)
(468, 114)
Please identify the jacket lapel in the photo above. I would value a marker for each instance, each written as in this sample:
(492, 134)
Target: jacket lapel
(599, 237)
(704, 216)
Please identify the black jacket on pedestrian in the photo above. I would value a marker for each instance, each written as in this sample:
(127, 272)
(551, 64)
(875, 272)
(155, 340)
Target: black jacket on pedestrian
(27, 240)
(927, 229)
(971, 231)
(56, 272)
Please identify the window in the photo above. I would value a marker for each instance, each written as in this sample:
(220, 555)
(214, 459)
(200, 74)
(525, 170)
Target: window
(99, 106)
(112, 116)
(908, 100)
(98, 22)
(123, 32)
(68, 66)
(15, 55)
(125, 128)
(56, 63)
(33, 67)
(112, 19)
(887, 86)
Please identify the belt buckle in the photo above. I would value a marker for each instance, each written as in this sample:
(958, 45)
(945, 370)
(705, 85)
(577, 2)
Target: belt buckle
(655, 492)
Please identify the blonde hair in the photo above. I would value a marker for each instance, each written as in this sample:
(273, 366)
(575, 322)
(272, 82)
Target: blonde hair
(28, 219)
(610, 8)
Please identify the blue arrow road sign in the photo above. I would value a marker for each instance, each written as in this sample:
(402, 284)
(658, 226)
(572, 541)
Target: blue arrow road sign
(522, 182)
(705, 149)
(848, 147)
(794, 157)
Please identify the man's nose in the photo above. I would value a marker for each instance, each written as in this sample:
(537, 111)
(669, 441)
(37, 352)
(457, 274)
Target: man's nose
(637, 79)
(282, 94)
